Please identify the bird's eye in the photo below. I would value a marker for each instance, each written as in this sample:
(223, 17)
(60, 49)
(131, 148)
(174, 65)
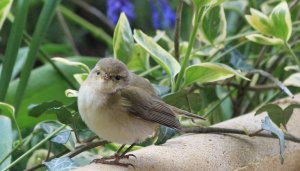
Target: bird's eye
(118, 77)
(98, 72)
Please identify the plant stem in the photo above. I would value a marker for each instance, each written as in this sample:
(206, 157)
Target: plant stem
(43, 23)
(149, 71)
(96, 31)
(35, 147)
(236, 131)
(13, 44)
(287, 46)
(192, 39)
(178, 29)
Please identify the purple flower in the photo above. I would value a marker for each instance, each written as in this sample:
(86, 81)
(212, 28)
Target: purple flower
(116, 7)
(162, 14)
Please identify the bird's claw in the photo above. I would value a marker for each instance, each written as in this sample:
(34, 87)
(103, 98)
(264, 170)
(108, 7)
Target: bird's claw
(128, 155)
(116, 161)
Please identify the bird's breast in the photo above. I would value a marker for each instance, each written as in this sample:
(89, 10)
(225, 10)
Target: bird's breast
(111, 121)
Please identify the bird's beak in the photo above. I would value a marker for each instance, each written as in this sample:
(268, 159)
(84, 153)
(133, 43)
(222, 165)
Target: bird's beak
(106, 76)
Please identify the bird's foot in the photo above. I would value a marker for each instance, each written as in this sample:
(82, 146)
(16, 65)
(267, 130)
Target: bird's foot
(113, 162)
(116, 161)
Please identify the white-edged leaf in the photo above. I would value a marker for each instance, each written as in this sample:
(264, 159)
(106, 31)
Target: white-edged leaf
(213, 26)
(260, 22)
(6, 140)
(71, 93)
(123, 40)
(5, 6)
(60, 164)
(281, 21)
(267, 125)
(139, 60)
(49, 126)
(65, 61)
(293, 80)
(260, 39)
(160, 55)
(80, 77)
(292, 68)
(209, 72)
(7, 109)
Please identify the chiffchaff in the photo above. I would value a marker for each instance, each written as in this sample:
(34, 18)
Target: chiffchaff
(122, 107)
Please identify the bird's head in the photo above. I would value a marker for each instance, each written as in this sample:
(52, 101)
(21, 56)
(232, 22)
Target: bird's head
(109, 75)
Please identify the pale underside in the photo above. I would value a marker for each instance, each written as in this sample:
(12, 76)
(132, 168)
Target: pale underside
(119, 127)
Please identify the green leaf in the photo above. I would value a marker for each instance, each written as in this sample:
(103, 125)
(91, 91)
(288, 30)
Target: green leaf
(63, 113)
(48, 127)
(139, 60)
(49, 85)
(274, 111)
(36, 110)
(65, 61)
(123, 40)
(37, 157)
(260, 39)
(9, 110)
(213, 26)
(287, 113)
(60, 164)
(4, 10)
(184, 99)
(71, 93)
(160, 55)
(281, 21)
(277, 115)
(5, 140)
(209, 72)
(260, 22)
(80, 77)
(165, 133)
(43, 23)
(268, 126)
(293, 80)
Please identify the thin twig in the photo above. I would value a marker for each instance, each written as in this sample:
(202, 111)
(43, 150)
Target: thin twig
(67, 32)
(85, 147)
(251, 88)
(94, 11)
(275, 80)
(178, 29)
(72, 154)
(294, 4)
(201, 130)
(49, 150)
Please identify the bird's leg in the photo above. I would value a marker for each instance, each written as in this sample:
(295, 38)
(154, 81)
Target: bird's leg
(117, 157)
(124, 155)
(114, 156)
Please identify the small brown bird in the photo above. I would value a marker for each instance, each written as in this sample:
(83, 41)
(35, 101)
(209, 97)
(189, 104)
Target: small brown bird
(122, 107)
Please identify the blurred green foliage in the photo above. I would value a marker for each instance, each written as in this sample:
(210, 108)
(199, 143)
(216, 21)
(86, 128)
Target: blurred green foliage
(222, 44)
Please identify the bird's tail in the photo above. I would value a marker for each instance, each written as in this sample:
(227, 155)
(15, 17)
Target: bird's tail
(185, 113)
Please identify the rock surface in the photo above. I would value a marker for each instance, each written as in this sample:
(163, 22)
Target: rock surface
(219, 151)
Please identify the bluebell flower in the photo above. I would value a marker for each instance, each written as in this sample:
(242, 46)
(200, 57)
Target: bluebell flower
(116, 7)
(163, 15)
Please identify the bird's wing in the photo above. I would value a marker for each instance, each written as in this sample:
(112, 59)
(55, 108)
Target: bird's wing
(137, 81)
(141, 104)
